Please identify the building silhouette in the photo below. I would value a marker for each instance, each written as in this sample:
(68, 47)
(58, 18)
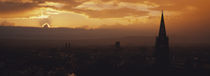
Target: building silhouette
(161, 53)
(68, 44)
(117, 44)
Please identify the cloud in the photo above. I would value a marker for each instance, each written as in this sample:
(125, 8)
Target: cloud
(17, 9)
(112, 13)
(183, 11)
(27, 8)
(113, 9)
(6, 23)
(44, 21)
(14, 7)
(92, 8)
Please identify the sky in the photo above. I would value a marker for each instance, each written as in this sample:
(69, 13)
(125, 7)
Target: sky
(183, 17)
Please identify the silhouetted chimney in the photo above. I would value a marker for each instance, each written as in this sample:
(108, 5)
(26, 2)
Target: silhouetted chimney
(117, 44)
(68, 44)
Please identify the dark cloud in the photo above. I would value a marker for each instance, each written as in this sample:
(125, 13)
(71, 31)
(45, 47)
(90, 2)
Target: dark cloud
(6, 23)
(10, 8)
(18, 8)
(14, 7)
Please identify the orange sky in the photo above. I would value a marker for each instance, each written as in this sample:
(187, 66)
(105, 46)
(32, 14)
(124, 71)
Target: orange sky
(93, 14)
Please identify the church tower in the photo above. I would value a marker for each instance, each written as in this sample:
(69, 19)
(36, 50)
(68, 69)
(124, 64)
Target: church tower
(162, 46)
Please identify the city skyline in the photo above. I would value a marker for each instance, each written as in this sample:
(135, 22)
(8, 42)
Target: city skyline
(104, 38)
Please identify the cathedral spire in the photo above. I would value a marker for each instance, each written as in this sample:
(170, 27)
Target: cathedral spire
(162, 31)
(162, 53)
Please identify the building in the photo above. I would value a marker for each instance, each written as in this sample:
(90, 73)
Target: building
(117, 44)
(161, 53)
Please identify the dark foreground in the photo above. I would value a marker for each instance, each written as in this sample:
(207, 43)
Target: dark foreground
(100, 62)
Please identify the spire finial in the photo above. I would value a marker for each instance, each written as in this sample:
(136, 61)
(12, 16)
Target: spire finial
(162, 31)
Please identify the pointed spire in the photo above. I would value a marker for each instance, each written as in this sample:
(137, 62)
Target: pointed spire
(162, 31)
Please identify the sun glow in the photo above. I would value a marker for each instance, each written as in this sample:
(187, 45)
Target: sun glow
(46, 25)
